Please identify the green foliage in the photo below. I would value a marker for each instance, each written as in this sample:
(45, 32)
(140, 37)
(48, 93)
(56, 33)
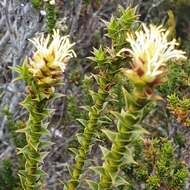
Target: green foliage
(130, 162)
(180, 178)
(128, 129)
(36, 3)
(91, 126)
(72, 110)
(19, 140)
(182, 2)
(35, 103)
(158, 167)
(7, 179)
(51, 13)
(177, 79)
(31, 176)
(108, 64)
(118, 27)
(86, 85)
(153, 183)
(51, 16)
(175, 101)
(180, 108)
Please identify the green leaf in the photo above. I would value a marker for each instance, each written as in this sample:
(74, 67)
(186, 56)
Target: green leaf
(104, 120)
(113, 177)
(57, 96)
(23, 130)
(41, 157)
(79, 137)
(97, 169)
(145, 111)
(104, 106)
(83, 122)
(129, 99)
(45, 144)
(35, 145)
(22, 175)
(138, 133)
(86, 108)
(126, 119)
(40, 173)
(105, 151)
(92, 185)
(120, 181)
(94, 95)
(74, 150)
(23, 150)
(128, 157)
(99, 55)
(42, 132)
(110, 134)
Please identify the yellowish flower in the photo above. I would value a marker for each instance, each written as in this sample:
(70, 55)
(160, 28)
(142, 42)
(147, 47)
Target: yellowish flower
(52, 2)
(151, 51)
(49, 60)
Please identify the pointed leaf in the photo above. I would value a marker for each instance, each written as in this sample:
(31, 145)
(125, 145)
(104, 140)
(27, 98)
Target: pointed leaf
(129, 99)
(41, 157)
(110, 134)
(23, 130)
(138, 133)
(94, 95)
(68, 167)
(128, 157)
(104, 106)
(57, 95)
(83, 122)
(74, 150)
(120, 181)
(86, 108)
(46, 144)
(79, 137)
(92, 185)
(105, 151)
(40, 172)
(97, 169)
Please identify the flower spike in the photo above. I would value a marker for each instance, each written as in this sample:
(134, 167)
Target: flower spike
(150, 51)
(52, 54)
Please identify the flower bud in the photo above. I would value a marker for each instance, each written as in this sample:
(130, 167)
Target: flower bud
(49, 60)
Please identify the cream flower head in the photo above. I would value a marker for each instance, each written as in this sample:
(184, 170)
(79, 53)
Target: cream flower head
(51, 56)
(51, 2)
(150, 51)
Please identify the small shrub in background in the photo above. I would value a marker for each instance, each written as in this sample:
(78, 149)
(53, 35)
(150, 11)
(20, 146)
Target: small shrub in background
(157, 166)
(8, 180)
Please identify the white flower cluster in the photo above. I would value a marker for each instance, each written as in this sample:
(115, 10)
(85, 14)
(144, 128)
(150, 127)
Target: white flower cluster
(50, 58)
(150, 51)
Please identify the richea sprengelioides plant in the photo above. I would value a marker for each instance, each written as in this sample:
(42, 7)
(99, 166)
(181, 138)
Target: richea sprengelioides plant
(42, 72)
(150, 52)
(133, 65)
(109, 62)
